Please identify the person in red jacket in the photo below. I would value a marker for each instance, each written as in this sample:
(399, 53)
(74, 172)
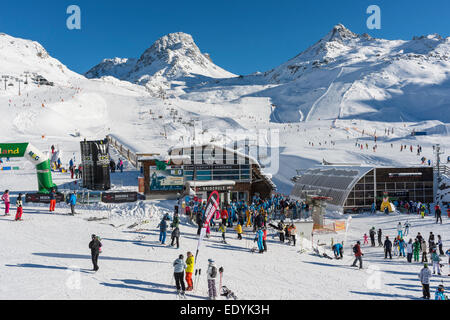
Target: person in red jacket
(224, 216)
(358, 254)
(264, 239)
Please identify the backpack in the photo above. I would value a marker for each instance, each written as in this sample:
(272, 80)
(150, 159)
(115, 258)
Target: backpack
(213, 272)
(355, 249)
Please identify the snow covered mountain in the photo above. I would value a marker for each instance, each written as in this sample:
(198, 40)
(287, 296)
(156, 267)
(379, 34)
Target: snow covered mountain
(20, 55)
(172, 57)
(346, 75)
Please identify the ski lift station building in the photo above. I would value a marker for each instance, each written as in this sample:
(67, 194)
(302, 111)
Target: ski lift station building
(354, 187)
(200, 169)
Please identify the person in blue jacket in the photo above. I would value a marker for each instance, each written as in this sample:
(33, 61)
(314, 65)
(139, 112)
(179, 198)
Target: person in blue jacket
(162, 230)
(73, 202)
(439, 294)
(338, 251)
(259, 239)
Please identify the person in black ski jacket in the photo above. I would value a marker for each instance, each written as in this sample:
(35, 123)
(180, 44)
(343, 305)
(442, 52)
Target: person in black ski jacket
(387, 248)
(372, 236)
(380, 234)
(199, 221)
(176, 237)
(95, 246)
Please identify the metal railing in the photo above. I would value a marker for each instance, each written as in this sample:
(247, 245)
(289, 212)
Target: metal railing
(124, 151)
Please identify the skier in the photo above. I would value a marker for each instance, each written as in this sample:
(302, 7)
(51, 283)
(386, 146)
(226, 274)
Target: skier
(424, 251)
(402, 246)
(281, 227)
(190, 262)
(71, 168)
(439, 294)
(121, 165)
(366, 239)
(439, 244)
(387, 248)
(338, 251)
(178, 273)
(395, 245)
(416, 250)
(73, 202)
(436, 259)
(372, 233)
(223, 229)
(438, 214)
(291, 231)
(211, 277)
(52, 200)
(409, 250)
(176, 237)
(224, 216)
(5, 199)
(19, 207)
(95, 246)
(176, 220)
(380, 234)
(358, 254)
(239, 230)
(162, 230)
(259, 239)
(400, 230)
(424, 276)
(406, 226)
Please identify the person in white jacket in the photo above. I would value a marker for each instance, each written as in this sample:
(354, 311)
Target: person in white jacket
(400, 230)
(424, 276)
(211, 277)
(409, 250)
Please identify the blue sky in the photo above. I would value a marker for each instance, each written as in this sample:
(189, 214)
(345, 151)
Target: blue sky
(242, 36)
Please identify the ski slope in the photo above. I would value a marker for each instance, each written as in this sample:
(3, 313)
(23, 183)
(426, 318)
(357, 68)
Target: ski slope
(42, 260)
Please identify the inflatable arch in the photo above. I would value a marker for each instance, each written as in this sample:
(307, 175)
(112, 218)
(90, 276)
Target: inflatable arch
(32, 154)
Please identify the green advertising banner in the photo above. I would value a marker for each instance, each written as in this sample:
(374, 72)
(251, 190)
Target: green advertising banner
(12, 150)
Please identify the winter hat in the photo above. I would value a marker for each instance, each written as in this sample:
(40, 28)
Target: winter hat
(210, 260)
(425, 265)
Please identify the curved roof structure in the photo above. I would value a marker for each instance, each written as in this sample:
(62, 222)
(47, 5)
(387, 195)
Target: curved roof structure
(329, 181)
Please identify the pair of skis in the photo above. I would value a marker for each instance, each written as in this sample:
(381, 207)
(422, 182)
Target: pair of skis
(197, 275)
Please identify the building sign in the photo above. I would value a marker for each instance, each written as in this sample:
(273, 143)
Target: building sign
(166, 180)
(212, 188)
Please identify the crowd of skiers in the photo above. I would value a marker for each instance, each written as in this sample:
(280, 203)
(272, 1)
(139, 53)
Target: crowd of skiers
(411, 250)
(254, 215)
